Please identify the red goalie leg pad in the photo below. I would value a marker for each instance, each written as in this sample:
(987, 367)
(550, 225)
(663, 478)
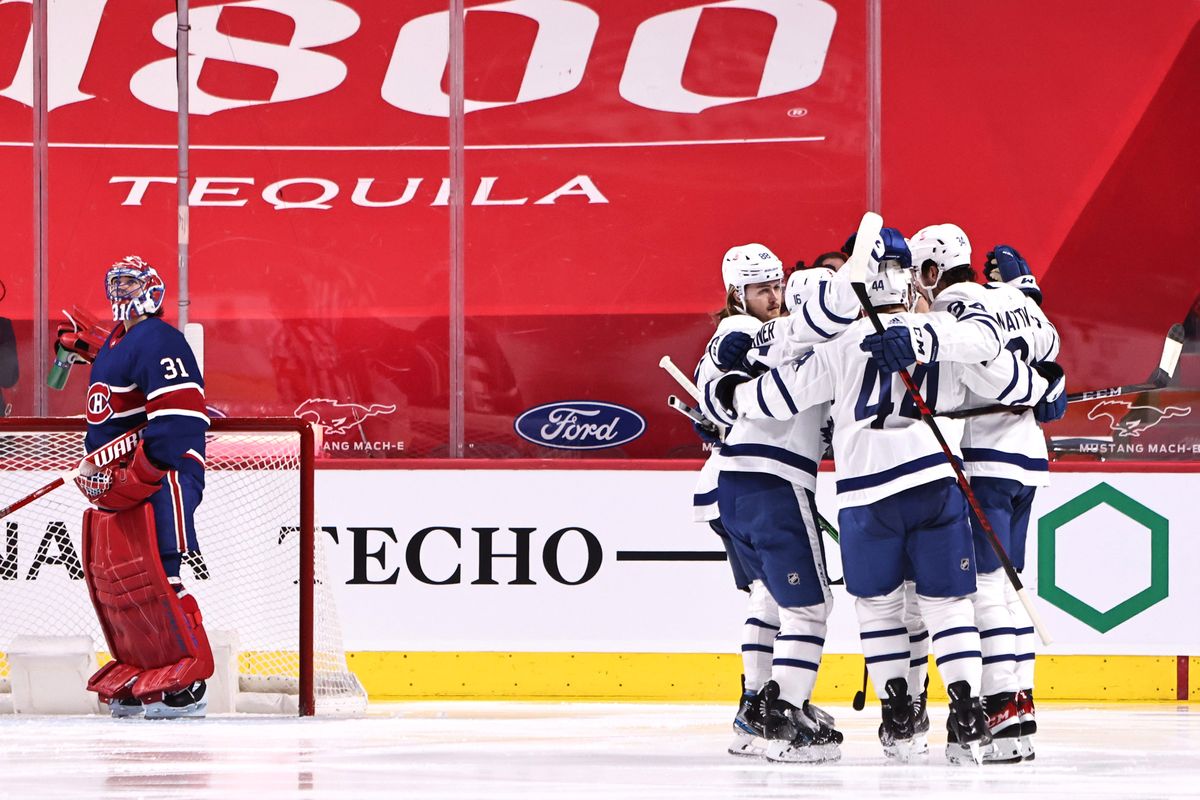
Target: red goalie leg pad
(113, 681)
(147, 627)
(196, 667)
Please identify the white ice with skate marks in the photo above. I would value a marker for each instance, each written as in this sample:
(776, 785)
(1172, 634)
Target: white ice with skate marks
(562, 751)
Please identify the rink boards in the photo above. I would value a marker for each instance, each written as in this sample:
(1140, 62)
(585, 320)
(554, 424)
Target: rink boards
(581, 581)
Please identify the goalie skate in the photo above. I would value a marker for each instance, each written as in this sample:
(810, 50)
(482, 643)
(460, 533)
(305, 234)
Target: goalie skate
(188, 702)
(125, 707)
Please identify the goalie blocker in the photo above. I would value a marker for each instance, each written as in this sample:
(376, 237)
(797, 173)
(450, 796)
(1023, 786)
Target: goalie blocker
(136, 604)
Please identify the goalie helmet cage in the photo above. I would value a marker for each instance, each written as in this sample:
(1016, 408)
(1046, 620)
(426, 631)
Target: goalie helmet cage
(260, 574)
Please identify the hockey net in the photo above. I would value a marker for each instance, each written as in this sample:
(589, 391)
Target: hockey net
(260, 575)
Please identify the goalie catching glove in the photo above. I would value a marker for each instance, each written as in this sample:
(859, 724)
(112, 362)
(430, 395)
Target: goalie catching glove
(81, 335)
(123, 485)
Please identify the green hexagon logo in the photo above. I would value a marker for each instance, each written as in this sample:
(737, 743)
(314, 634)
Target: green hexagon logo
(1048, 529)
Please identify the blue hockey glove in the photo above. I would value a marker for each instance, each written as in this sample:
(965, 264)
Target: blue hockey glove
(707, 432)
(731, 352)
(892, 350)
(1006, 265)
(1053, 404)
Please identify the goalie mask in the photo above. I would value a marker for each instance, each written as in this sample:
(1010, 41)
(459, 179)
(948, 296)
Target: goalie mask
(748, 264)
(134, 288)
(803, 284)
(942, 246)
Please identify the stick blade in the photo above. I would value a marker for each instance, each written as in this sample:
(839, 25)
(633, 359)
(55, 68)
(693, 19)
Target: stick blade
(864, 242)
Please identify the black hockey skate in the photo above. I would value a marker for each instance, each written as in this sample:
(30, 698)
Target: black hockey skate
(748, 725)
(794, 734)
(1025, 711)
(188, 702)
(1004, 725)
(967, 726)
(921, 723)
(897, 728)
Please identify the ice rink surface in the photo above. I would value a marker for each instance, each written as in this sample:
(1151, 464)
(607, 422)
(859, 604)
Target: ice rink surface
(536, 751)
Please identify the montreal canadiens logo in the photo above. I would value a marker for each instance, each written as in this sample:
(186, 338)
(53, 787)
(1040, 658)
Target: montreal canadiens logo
(580, 425)
(99, 406)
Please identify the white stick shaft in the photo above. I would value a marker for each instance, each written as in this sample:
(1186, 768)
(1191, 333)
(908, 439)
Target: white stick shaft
(666, 363)
(1038, 625)
(864, 243)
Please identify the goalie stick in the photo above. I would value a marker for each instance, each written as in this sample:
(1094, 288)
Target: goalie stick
(868, 232)
(101, 457)
(1158, 379)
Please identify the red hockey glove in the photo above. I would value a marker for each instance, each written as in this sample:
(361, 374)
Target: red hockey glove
(82, 334)
(123, 485)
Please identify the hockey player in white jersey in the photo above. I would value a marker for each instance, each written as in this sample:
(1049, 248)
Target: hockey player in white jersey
(900, 507)
(767, 476)
(1004, 454)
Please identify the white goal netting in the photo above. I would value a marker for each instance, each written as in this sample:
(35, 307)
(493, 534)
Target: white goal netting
(245, 577)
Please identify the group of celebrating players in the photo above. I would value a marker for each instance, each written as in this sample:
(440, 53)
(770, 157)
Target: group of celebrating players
(786, 364)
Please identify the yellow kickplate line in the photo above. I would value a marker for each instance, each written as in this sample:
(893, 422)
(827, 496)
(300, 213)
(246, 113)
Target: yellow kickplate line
(691, 677)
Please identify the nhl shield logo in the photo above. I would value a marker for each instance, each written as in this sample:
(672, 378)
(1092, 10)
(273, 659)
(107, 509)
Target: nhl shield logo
(965, 564)
(794, 578)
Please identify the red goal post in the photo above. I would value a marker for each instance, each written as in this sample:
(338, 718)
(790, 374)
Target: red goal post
(260, 574)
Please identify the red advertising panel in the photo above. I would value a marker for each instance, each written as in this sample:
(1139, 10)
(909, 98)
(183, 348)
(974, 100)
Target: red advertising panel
(615, 151)
(612, 150)
(319, 231)
(17, 280)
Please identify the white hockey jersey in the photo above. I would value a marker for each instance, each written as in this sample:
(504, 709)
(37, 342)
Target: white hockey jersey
(790, 448)
(704, 498)
(1001, 445)
(880, 444)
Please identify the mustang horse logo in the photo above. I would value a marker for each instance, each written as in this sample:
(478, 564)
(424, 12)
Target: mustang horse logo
(338, 418)
(1128, 420)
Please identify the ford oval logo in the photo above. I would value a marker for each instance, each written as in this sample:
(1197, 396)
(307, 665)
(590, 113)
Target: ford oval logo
(580, 425)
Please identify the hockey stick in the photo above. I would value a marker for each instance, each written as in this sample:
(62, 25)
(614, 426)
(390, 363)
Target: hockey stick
(696, 417)
(666, 363)
(868, 232)
(860, 697)
(100, 457)
(1158, 379)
